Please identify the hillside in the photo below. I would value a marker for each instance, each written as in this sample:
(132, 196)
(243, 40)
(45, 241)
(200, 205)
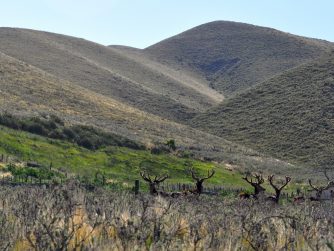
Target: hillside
(230, 56)
(119, 164)
(28, 91)
(289, 116)
(106, 71)
(140, 57)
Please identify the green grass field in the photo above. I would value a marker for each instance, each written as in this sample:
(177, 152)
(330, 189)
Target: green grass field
(118, 163)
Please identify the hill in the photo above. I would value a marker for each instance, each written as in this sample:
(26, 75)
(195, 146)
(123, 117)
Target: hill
(106, 71)
(231, 56)
(289, 116)
(148, 95)
(28, 91)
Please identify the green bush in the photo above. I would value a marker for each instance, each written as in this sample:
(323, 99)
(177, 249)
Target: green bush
(42, 173)
(171, 144)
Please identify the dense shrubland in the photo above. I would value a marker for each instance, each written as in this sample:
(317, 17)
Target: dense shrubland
(68, 216)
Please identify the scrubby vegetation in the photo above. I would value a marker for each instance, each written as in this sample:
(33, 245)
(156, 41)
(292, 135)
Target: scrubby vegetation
(69, 217)
(53, 127)
(27, 173)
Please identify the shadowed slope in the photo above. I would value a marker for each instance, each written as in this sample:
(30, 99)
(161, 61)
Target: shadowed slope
(290, 116)
(232, 56)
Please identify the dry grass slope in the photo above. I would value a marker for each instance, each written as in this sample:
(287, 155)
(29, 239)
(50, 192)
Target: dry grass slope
(232, 56)
(289, 116)
(106, 71)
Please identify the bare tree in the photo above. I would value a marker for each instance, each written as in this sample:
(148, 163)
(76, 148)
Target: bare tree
(153, 182)
(256, 183)
(320, 189)
(277, 189)
(199, 181)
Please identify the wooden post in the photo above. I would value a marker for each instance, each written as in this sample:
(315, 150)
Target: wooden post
(136, 187)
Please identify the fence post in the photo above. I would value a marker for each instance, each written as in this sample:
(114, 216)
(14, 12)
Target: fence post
(136, 187)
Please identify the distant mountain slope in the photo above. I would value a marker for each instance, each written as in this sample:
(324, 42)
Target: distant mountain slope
(232, 56)
(149, 95)
(187, 80)
(108, 72)
(290, 116)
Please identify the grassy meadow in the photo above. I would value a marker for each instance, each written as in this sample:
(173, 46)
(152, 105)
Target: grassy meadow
(117, 163)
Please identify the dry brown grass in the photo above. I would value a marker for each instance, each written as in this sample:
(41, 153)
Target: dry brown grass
(108, 72)
(120, 221)
(289, 116)
(231, 56)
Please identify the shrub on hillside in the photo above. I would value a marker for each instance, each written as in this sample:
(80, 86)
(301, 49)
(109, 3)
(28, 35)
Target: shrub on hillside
(41, 172)
(35, 128)
(10, 121)
(171, 144)
(160, 149)
(53, 127)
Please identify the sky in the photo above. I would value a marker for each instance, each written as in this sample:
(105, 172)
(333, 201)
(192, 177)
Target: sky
(140, 23)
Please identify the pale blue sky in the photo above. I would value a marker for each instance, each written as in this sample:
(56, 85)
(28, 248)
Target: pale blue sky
(140, 23)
